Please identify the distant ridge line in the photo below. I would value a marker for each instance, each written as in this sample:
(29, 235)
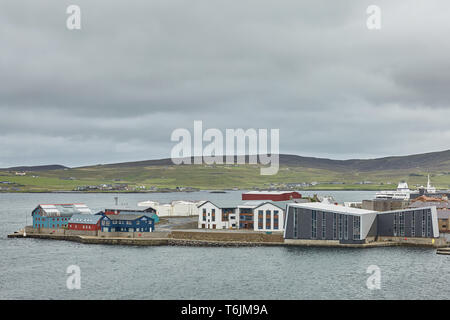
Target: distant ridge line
(426, 161)
(435, 160)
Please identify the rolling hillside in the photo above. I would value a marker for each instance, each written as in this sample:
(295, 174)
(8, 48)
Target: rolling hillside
(373, 174)
(425, 161)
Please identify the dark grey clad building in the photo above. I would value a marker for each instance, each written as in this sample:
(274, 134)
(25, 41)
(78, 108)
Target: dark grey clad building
(346, 225)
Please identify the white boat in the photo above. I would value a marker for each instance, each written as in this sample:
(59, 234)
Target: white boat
(402, 193)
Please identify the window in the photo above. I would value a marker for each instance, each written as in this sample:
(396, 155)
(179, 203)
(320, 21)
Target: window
(260, 219)
(345, 227)
(213, 214)
(341, 233)
(402, 224)
(395, 224)
(335, 226)
(413, 224)
(423, 223)
(275, 219)
(268, 219)
(324, 225)
(295, 223)
(313, 224)
(356, 227)
(428, 223)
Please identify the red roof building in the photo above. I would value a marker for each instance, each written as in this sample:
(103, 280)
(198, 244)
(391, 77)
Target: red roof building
(271, 195)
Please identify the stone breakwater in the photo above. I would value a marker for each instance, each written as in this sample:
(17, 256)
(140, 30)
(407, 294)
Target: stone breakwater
(198, 238)
(146, 242)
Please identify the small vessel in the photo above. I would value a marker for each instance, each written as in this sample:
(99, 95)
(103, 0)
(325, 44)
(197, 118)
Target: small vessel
(327, 200)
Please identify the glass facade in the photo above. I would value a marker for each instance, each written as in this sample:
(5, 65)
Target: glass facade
(295, 233)
(324, 225)
(275, 219)
(334, 226)
(356, 227)
(268, 219)
(402, 224)
(345, 227)
(314, 224)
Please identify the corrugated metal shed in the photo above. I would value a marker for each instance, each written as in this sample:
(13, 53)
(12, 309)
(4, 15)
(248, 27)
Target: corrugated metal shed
(126, 216)
(85, 218)
(152, 215)
(63, 210)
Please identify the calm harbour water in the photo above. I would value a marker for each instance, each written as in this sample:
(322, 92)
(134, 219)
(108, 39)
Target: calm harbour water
(36, 269)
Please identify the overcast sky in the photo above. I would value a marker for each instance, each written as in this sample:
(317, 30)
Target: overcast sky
(116, 89)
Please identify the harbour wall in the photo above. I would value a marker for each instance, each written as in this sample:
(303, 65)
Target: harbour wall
(229, 236)
(212, 238)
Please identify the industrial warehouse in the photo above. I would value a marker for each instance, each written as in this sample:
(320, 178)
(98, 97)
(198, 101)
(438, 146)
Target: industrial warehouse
(79, 219)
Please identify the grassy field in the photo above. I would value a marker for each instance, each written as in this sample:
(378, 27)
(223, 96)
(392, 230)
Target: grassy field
(214, 177)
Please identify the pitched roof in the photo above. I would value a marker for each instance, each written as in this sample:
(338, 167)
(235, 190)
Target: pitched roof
(443, 214)
(331, 207)
(152, 215)
(270, 192)
(438, 204)
(221, 204)
(85, 218)
(127, 216)
(63, 210)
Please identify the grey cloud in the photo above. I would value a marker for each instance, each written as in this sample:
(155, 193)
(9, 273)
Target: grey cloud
(139, 69)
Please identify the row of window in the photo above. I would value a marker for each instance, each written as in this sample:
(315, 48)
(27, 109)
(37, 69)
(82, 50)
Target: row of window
(268, 219)
(340, 225)
(125, 229)
(426, 224)
(52, 219)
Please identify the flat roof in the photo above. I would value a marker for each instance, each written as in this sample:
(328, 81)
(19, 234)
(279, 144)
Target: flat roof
(269, 192)
(331, 207)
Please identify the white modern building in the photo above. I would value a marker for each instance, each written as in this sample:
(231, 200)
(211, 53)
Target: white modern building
(262, 215)
(265, 216)
(217, 215)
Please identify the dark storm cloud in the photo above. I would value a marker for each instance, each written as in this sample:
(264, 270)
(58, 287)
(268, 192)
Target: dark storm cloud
(115, 90)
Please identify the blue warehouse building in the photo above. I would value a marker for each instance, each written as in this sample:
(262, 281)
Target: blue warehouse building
(127, 222)
(56, 216)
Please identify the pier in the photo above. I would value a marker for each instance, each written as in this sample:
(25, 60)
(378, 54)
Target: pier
(210, 238)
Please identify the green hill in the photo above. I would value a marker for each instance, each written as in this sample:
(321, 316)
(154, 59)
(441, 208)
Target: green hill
(354, 174)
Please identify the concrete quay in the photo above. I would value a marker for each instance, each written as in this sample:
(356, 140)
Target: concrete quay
(210, 238)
